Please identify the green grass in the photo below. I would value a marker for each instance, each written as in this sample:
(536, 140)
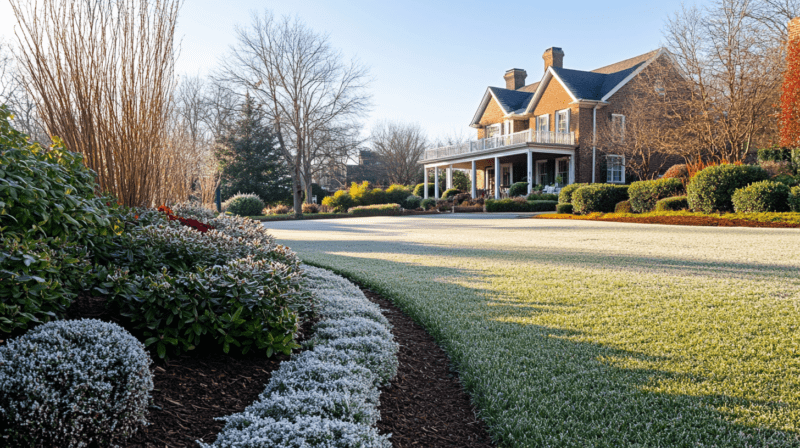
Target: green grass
(585, 333)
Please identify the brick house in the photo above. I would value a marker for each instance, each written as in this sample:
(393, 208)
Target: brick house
(546, 130)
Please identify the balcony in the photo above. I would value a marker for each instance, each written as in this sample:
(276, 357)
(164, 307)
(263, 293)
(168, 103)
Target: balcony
(501, 141)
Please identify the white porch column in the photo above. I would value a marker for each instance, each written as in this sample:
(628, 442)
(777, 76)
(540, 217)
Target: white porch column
(497, 177)
(436, 182)
(530, 171)
(474, 179)
(572, 168)
(426, 182)
(450, 177)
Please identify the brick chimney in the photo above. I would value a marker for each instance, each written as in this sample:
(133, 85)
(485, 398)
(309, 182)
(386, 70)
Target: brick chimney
(553, 56)
(794, 29)
(515, 78)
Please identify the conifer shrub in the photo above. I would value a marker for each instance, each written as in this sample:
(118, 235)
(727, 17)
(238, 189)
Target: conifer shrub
(712, 188)
(242, 204)
(412, 202)
(759, 197)
(397, 194)
(623, 207)
(450, 193)
(428, 204)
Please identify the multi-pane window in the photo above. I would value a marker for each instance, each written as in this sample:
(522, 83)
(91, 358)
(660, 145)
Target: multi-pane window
(562, 171)
(562, 121)
(543, 123)
(615, 169)
(618, 127)
(492, 130)
(541, 172)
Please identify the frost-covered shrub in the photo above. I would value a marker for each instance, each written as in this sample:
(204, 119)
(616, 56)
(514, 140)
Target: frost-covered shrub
(72, 384)
(412, 202)
(244, 205)
(193, 210)
(302, 432)
(326, 396)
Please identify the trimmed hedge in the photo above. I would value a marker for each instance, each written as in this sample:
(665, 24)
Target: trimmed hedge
(759, 197)
(565, 196)
(712, 189)
(517, 205)
(542, 197)
(518, 189)
(644, 194)
(564, 208)
(623, 207)
(377, 209)
(675, 203)
(598, 198)
(794, 199)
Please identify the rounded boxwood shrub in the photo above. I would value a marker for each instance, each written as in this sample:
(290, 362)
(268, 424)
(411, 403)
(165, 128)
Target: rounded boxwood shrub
(518, 189)
(674, 203)
(376, 196)
(623, 207)
(450, 193)
(794, 199)
(73, 384)
(419, 190)
(427, 204)
(244, 205)
(598, 198)
(397, 194)
(712, 189)
(341, 201)
(564, 208)
(786, 179)
(644, 194)
(412, 202)
(565, 195)
(764, 196)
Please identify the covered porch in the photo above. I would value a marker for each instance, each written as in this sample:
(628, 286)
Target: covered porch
(492, 175)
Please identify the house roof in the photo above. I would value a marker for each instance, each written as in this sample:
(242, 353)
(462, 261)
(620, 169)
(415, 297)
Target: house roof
(595, 85)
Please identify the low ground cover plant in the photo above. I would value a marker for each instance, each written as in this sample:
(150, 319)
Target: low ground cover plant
(689, 218)
(327, 395)
(73, 383)
(598, 198)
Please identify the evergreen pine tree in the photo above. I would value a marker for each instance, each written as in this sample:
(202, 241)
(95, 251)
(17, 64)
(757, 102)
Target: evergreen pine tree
(249, 160)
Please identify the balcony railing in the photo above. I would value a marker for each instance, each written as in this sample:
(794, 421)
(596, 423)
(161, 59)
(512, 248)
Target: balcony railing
(500, 141)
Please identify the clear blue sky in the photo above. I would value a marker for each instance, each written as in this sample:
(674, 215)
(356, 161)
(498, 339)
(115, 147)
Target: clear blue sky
(430, 61)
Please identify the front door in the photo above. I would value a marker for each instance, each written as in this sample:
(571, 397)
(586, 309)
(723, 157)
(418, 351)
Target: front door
(489, 182)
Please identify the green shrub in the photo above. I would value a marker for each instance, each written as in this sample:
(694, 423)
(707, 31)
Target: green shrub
(598, 198)
(360, 193)
(450, 193)
(419, 190)
(794, 199)
(340, 201)
(789, 181)
(759, 197)
(712, 189)
(375, 209)
(519, 205)
(397, 194)
(518, 189)
(542, 197)
(564, 208)
(644, 194)
(565, 196)
(376, 196)
(412, 202)
(428, 204)
(244, 205)
(623, 207)
(675, 203)
(774, 154)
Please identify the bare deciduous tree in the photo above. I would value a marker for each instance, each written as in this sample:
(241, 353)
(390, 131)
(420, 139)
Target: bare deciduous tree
(734, 70)
(306, 86)
(399, 146)
(101, 75)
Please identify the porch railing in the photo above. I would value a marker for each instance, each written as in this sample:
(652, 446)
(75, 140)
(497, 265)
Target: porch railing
(500, 141)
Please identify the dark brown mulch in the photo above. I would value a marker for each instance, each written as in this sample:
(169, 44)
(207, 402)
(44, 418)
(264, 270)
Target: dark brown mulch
(425, 406)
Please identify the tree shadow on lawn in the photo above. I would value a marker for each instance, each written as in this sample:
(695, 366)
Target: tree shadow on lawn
(562, 257)
(537, 386)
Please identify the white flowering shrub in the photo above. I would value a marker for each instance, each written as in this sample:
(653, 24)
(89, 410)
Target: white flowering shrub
(326, 396)
(72, 384)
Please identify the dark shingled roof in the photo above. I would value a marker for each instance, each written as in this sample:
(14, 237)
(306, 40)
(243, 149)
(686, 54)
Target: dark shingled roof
(592, 85)
(511, 100)
(626, 64)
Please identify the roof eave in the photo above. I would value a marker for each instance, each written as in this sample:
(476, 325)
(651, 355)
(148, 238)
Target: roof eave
(632, 75)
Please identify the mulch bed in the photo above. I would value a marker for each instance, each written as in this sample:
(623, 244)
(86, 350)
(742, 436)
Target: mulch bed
(708, 221)
(425, 406)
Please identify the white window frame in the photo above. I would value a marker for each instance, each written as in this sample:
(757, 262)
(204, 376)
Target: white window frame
(619, 162)
(541, 167)
(621, 137)
(659, 87)
(564, 174)
(543, 119)
(562, 116)
(496, 127)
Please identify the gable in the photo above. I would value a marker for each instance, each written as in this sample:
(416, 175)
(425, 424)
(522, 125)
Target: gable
(492, 114)
(554, 98)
